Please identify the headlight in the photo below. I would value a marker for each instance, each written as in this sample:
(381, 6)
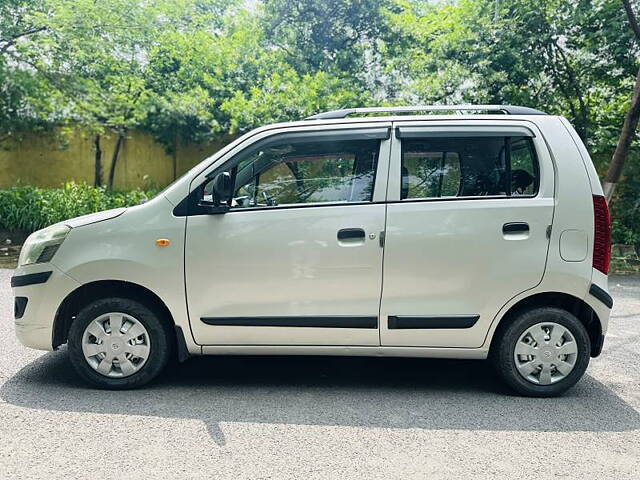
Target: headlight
(40, 246)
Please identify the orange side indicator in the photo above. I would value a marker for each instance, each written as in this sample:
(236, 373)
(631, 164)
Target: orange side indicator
(163, 242)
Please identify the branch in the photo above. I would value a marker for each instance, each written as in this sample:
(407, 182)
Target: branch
(574, 84)
(633, 21)
(12, 39)
(285, 50)
(571, 75)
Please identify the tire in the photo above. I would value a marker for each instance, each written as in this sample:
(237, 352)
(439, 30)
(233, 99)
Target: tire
(153, 346)
(518, 332)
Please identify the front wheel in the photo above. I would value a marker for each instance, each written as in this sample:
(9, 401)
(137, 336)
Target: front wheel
(542, 352)
(118, 343)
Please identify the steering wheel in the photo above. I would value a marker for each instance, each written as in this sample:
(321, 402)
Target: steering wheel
(269, 200)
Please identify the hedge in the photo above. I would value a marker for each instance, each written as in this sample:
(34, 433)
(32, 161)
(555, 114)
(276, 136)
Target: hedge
(31, 208)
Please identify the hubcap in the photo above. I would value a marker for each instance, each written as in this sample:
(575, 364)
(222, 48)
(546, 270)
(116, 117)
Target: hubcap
(545, 353)
(116, 345)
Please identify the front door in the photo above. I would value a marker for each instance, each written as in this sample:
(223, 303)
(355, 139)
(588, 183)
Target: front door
(297, 259)
(467, 230)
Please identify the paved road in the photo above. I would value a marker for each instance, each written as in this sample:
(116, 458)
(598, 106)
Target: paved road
(320, 418)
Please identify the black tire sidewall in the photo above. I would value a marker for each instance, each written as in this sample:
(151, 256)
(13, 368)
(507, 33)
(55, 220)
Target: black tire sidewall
(504, 361)
(158, 336)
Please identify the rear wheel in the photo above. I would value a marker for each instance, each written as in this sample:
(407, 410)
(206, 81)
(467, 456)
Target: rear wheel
(542, 352)
(118, 343)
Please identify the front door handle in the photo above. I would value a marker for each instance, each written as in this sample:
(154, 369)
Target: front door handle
(515, 227)
(351, 234)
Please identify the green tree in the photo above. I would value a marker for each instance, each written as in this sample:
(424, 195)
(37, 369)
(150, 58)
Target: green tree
(193, 72)
(566, 58)
(18, 20)
(630, 124)
(97, 57)
(221, 83)
(24, 100)
(325, 34)
(286, 95)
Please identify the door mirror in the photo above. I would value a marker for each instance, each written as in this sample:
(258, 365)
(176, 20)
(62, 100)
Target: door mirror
(216, 194)
(222, 188)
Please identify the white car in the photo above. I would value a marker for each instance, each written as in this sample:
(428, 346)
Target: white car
(408, 232)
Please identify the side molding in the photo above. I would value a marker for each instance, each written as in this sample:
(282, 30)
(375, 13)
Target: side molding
(397, 322)
(313, 322)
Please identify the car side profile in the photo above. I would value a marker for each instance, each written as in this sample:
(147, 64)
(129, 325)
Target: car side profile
(472, 231)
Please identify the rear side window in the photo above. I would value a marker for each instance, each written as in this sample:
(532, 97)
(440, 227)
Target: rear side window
(447, 167)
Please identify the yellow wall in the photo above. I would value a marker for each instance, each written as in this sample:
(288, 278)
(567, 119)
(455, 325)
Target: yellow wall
(48, 162)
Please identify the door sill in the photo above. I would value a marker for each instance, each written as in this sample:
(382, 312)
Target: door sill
(365, 351)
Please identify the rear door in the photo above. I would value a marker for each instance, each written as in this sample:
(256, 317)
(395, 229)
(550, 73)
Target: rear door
(470, 206)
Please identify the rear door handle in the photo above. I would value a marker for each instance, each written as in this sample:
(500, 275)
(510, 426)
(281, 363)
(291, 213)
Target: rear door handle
(515, 227)
(351, 234)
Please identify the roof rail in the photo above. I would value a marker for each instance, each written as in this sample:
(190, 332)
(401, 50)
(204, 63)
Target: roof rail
(506, 109)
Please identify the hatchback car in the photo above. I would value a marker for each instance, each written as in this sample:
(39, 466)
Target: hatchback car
(455, 232)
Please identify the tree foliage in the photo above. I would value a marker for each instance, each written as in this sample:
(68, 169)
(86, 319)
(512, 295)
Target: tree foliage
(570, 58)
(326, 35)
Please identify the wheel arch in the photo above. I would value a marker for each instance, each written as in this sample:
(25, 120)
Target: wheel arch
(81, 296)
(578, 307)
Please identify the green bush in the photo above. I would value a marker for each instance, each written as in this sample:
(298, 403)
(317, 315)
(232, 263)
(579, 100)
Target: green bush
(31, 208)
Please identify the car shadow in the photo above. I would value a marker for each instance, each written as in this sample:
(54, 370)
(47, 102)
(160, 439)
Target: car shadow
(397, 393)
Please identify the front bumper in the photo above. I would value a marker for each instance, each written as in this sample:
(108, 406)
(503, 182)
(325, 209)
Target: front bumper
(42, 292)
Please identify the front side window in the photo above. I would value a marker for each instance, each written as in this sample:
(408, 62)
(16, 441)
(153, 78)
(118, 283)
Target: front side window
(286, 173)
(444, 167)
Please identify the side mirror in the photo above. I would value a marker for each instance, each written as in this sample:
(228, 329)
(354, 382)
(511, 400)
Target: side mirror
(222, 188)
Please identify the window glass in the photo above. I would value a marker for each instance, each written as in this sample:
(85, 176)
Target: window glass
(441, 167)
(524, 169)
(311, 172)
(430, 174)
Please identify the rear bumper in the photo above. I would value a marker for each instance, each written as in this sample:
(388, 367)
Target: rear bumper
(605, 299)
(39, 290)
(599, 299)
(601, 294)
(601, 302)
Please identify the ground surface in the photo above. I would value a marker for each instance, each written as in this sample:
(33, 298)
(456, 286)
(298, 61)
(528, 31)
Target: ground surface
(324, 418)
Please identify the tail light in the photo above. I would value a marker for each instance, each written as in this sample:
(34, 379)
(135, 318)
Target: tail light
(601, 234)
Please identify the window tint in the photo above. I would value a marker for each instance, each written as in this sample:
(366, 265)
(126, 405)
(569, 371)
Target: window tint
(312, 172)
(440, 167)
